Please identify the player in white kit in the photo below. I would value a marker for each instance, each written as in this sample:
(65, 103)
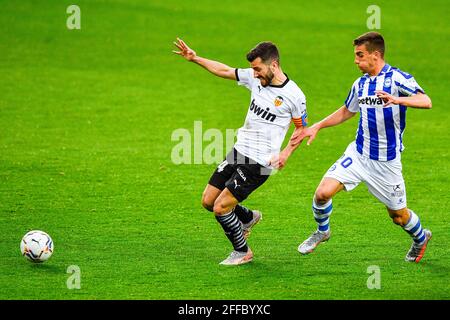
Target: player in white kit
(275, 102)
(381, 96)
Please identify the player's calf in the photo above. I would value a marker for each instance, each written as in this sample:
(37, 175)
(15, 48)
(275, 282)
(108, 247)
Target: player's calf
(233, 230)
(410, 222)
(419, 235)
(247, 227)
(399, 217)
(321, 214)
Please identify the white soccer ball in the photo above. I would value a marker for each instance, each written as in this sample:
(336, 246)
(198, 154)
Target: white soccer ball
(37, 246)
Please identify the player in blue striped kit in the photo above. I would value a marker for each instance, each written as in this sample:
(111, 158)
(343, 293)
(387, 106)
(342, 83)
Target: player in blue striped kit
(381, 96)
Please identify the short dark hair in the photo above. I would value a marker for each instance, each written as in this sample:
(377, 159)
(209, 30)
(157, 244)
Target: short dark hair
(267, 51)
(373, 40)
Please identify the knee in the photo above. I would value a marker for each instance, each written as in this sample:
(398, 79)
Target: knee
(219, 208)
(322, 196)
(207, 202)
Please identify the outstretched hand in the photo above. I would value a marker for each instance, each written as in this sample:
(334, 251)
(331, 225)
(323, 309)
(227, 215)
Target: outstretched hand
(310, 132)
(185, 51)
(278, 161)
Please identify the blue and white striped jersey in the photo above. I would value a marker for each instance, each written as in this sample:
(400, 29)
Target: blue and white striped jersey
(380, 131)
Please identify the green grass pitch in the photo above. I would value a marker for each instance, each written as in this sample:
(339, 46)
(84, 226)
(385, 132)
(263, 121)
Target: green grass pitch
(86, 118)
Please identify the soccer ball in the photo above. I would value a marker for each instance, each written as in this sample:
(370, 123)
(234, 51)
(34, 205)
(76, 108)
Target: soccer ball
(37, 246)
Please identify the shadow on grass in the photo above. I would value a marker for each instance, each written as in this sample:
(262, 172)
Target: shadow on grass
(48, 268)
(434, 267)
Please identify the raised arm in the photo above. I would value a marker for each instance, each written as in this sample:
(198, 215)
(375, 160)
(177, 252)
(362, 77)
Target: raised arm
(217, 68)
(339, 116)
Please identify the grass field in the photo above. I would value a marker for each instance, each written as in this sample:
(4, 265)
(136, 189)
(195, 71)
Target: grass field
(86, 119)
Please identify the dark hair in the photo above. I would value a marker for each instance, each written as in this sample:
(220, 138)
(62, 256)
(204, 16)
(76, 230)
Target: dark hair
(267, 51)
(373, 40)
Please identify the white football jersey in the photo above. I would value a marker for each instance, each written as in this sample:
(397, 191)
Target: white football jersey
(271, 110)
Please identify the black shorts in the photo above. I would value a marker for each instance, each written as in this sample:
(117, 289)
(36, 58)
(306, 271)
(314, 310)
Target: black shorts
(239, 174)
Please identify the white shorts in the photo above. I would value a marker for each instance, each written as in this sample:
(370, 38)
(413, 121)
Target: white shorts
(384, 179)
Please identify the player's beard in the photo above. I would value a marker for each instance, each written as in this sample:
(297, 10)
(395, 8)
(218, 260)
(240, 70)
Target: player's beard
(267, 79)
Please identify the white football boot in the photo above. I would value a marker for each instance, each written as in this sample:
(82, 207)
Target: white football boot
(313, 241)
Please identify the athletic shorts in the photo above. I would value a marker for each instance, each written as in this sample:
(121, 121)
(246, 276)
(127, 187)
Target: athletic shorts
(384, 179)
(239, 174)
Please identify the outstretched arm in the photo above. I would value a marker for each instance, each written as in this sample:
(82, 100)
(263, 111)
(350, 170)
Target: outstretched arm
(279, 161)
(217, 68)
(339, 116)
